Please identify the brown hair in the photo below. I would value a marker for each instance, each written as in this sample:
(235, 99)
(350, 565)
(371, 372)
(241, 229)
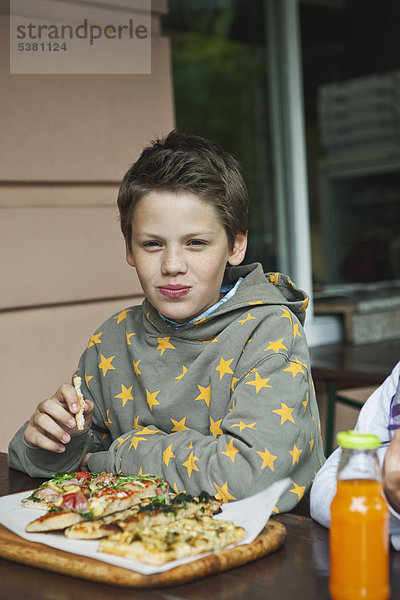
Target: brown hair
(187, 163)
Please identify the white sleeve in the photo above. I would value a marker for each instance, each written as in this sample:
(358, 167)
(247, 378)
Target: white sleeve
(373, 418)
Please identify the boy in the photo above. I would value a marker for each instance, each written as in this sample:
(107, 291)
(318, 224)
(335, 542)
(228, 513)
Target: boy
(208, 383)
(379, 415)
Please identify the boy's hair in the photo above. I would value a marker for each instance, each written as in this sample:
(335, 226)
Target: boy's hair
(187, 163)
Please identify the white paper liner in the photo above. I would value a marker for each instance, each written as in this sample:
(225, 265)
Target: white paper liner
(251, 513)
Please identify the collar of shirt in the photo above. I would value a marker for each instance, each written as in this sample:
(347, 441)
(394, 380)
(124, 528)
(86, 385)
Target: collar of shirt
(228, 289)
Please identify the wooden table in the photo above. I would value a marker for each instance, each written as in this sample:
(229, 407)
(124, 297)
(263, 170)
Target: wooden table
(367, 364)
(299, 570)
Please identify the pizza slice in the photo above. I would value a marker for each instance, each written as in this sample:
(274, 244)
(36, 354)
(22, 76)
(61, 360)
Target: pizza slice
(182, 538)
(80, 505)
(79, 418)
(148, 514)
(51, 491)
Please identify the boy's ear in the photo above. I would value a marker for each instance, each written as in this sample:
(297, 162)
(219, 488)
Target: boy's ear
(236, 255)
(129, 256)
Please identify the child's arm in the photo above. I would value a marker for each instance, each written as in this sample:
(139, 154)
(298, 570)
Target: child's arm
(50, 441)
(391, 472)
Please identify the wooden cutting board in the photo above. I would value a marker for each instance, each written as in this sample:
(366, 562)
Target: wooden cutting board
(17, 549)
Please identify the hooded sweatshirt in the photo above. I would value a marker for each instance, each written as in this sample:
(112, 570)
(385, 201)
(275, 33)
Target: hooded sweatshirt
(224, 404)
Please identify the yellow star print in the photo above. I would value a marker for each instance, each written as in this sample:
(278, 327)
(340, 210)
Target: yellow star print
(224, 367)
(151, 398)
(125, 394)
(268, 459)
(215, 427)
(304, 304)
(197, 323)
(135, 441)
(285, 412)
(305, 403)
(242, 425)
(136, 367)
(136, 423)
(146, 431)
(128, 338)
(122, 315)
(163, 344)
(276, 346)
(234, 380)
(190, 464)
(184, 370)
(298, 490)
(296, 330)
(223, 493)
(108, 422)
(248, 318)
(311, 442)
(167, 454)
(274, 278)
(286, 314)
(259, 383)
(121, 440)
(179, 425)
(105, 364)
(295, 368)
(205, 394)
(141, 474)
(295, 454)
(88, 378)
(230, 451)
(95, 339)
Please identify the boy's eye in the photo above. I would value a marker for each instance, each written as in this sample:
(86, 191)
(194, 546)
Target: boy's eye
(151, 244)
(197, 243)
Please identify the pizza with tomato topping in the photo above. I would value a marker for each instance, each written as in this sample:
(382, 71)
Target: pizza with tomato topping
(52, 491)
(90, 497)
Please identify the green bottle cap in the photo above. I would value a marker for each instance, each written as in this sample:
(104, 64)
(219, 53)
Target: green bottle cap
(358, 440)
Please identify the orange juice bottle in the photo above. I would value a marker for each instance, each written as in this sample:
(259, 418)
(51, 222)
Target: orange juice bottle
(359, 535)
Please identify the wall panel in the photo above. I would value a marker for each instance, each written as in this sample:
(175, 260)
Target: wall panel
(65, 144)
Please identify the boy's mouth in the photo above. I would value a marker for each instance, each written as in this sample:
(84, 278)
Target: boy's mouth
(174, 291)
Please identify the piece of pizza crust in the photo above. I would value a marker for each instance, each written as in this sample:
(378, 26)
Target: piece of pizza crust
(53, 521)
(79, 418)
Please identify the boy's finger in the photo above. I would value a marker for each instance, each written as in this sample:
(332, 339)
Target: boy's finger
(55, 410)
(67, 394)
(49, 426)
(36, 438)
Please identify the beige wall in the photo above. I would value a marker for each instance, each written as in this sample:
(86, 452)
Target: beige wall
(65, 143)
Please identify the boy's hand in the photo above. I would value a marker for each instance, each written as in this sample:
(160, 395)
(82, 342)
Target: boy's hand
(53, 422)
(391, 472)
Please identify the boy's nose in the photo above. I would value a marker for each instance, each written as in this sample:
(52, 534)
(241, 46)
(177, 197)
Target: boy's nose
(173, 263)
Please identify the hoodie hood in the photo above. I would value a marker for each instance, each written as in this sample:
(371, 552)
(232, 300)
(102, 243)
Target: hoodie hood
(266, 289)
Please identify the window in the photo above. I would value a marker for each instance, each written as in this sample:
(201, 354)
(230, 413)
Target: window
(219, 65)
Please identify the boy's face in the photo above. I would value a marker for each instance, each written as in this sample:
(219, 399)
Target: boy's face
(180, 251)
